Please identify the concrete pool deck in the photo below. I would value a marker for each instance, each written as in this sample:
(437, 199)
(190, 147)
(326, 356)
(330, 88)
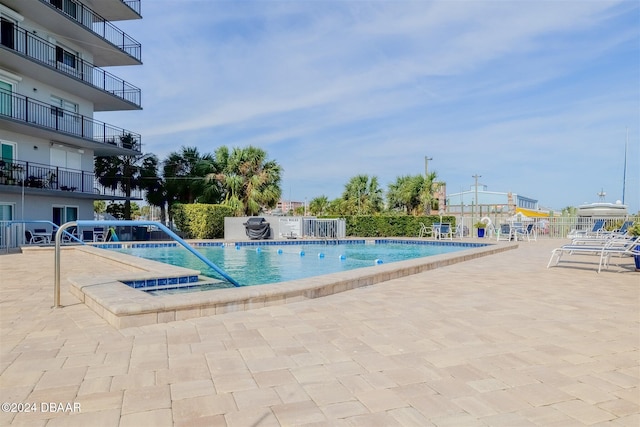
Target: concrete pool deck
(499, 340)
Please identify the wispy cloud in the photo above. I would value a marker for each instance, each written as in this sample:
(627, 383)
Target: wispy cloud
(531, 95)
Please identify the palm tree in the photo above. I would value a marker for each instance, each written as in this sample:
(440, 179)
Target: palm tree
(426, 194)
(362, 196)
(404, 194)
(183, 173)
(154, 185)
(247, 180)
(319, 205)
(123, 172)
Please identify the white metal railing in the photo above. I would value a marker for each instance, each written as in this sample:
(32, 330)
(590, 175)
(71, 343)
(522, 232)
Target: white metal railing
(553, 228)
(296, 227)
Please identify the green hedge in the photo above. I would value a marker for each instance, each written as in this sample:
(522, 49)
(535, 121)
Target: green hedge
(201, 221)
(391, 225)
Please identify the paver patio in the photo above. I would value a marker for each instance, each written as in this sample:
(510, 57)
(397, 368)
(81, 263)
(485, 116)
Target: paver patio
(495, 341)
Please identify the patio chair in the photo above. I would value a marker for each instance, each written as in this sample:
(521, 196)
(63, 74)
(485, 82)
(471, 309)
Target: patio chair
(619, 246)
(70, 234)
(505, 232)
(42, 232)
(425, 230)
(528, 232)
(31, 239)
(443, 231)
(99, 234)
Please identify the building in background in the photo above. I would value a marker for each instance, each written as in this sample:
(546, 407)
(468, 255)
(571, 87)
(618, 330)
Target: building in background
(478, 202)
(51, 83)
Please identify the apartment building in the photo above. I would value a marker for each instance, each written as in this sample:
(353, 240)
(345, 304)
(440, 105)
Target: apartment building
(51, 83)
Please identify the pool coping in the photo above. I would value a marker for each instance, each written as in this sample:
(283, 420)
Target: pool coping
(123, 306)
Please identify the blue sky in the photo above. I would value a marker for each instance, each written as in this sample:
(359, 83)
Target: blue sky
(536, 97)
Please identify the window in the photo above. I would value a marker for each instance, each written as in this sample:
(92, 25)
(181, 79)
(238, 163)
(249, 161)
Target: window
(6, 91)
(59, 106)
(66, 57)
(63, 214)
(65, 159)
(7, 33)
(6, 211)
(67, 6)
(7, 151)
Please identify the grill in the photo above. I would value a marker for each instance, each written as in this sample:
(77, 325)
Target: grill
(257, 228)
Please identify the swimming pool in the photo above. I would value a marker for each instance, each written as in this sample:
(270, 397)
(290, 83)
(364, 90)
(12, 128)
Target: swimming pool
(252, 263)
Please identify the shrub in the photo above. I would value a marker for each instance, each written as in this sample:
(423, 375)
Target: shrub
(201, 221)
(390, 225)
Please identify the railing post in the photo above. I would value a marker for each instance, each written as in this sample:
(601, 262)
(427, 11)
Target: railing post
(56, 287)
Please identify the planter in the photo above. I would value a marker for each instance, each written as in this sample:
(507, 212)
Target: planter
(480, 232)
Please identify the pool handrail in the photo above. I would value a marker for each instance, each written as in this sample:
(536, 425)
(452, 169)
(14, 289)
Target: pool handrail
(41, 221)
(90, 223)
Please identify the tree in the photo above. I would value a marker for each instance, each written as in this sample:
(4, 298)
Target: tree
(246, 179)
(412, 194)
(183, 174)
(319, 205)
(123, 172)
(154, 185)
(426, 195)
(99, 206)
(362, 196)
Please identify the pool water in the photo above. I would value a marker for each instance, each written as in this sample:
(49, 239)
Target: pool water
(262, 264)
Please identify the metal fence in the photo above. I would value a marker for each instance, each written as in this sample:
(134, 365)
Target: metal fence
(553, 228)
(324, 228)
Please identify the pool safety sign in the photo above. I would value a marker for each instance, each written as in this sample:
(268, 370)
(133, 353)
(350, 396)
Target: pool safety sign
(290, 228)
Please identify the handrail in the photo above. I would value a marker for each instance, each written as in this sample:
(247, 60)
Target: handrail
(87, 223)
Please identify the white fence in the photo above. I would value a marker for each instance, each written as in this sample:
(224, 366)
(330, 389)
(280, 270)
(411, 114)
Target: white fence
(553, 228)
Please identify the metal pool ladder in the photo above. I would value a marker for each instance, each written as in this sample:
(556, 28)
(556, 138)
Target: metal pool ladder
(87, 223)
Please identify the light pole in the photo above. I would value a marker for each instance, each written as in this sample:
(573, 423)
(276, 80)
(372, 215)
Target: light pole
(426, 165)
(476, 176)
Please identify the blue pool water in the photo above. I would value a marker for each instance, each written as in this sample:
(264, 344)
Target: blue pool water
(254, 264)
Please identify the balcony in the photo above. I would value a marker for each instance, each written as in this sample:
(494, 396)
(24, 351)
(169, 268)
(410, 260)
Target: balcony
(107, 91)
(116, 10)
(73, 20)
(37, 178)
(21, 114)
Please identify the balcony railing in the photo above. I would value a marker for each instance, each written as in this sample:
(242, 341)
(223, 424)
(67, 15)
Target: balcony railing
(98, 25)
(47, 177)
(27, 110)
(133, 5)
(31, 46)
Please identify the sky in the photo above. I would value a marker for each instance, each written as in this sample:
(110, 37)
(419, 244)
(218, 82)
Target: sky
(538, 98)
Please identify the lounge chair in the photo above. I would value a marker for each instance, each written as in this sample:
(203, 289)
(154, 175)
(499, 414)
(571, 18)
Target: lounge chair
(619, 246)
(597, 230)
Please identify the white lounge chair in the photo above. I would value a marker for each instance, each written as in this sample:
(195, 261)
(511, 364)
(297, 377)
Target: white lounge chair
(620, 246)
(596, 230)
